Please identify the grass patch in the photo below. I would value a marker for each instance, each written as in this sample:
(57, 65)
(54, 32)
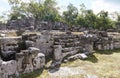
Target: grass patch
(36, 74)
(108, 51)
(101, 63)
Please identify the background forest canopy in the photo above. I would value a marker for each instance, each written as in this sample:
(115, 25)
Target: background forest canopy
(47, 10)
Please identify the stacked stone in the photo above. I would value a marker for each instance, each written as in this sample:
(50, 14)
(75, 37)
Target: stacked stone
(15, 63)
(116, 40)
(9, 47)
(104, 42)
(116, 44)
(45, 43)
(37, 60)
(67, 45)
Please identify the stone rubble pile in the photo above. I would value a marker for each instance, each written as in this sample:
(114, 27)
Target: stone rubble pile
(14, 62)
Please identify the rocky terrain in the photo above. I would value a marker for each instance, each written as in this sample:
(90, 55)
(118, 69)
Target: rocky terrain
(31, 51)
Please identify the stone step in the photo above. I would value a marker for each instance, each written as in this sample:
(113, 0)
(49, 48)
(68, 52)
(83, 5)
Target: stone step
(70, 44)
(71, 49)
(59, 43)
(73, 44)
(69, 53)
(77, 56)
(68, 40)
(66, 36)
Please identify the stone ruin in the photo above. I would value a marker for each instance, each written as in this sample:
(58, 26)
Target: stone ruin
(19, 56)
(27, 53)
(24, 23)
(29, 22)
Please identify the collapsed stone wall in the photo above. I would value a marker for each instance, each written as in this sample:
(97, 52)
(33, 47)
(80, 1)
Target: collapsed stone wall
(27, 53)
(107, 41)
(26, 23)
(24, 61)
(43, 41)
(116, 40)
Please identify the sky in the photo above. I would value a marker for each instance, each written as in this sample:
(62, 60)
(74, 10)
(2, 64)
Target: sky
(95, 5)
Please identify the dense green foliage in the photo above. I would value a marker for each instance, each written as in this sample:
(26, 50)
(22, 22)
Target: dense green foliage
(70, 15)
(47, 10)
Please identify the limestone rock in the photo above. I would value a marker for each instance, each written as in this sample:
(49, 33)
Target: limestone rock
(34, 50)
(39, 61)
(8, 69)
(29, 43)
(58, 52)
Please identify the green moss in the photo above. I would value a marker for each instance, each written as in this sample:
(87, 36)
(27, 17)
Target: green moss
(108, 51)
(34, 74)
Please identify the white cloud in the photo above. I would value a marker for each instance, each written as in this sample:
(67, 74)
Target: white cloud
(98, 5)
(2, 9)
(5, 1)
(4, 6)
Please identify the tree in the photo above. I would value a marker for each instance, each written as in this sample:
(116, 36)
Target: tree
(18, 9)
(14, 2)
(118, 22)
(70, 15)
(36, 10)
(103, 21)
(40, 11)
(86, 18)
(51, 11)
(48, 11)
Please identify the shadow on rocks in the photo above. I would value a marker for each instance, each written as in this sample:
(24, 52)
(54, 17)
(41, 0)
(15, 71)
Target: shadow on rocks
(92, 58)
(55, 66)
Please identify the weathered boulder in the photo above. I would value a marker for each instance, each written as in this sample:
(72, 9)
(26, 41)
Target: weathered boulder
(58, 52)
(29, 55)
(29, 43)
(8, 69)
(25, 60)
(77, 56)
(39, 61)
(33, 50)
(29, 60)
